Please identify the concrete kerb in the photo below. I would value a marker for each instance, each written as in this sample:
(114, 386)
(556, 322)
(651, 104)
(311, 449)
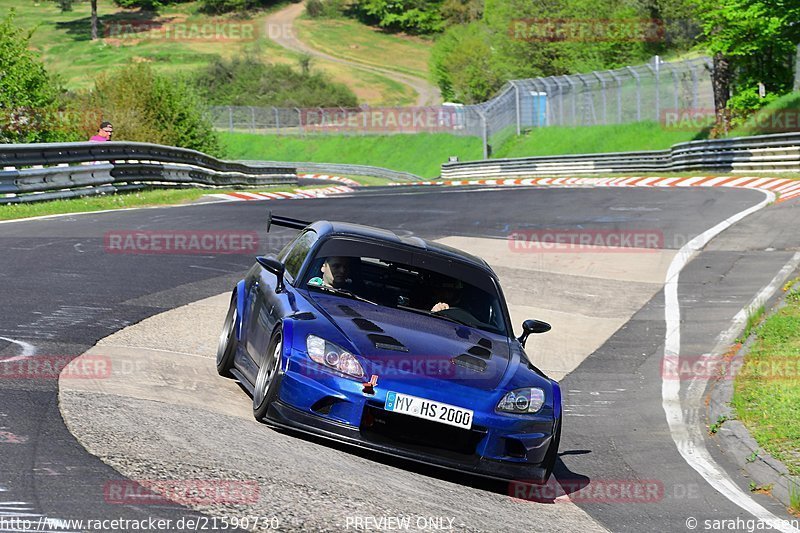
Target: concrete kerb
(736, 441)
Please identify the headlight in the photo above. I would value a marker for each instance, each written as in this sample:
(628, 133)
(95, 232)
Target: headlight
(528, 400)
(333, 356)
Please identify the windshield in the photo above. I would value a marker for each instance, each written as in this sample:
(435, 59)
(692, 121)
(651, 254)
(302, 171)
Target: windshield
(443, 289)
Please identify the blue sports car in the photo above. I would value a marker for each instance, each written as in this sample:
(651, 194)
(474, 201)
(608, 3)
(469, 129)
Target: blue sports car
(395, 344)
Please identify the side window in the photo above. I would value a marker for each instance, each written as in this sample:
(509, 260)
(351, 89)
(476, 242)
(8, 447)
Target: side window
(294, 260)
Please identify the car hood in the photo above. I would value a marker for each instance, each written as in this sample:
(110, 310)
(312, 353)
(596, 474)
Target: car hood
(407, 345)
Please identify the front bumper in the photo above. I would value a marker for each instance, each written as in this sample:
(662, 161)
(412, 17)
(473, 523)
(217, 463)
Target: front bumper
(334, 407)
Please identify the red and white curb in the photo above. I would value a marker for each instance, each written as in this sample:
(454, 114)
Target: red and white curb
(243, 196)
(343, 181)
(785, 188)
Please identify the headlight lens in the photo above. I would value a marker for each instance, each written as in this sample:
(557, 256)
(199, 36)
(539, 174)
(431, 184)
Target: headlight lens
(528, 400)
(333, 356)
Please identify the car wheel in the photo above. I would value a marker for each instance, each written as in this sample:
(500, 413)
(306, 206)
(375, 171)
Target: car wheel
(226, 349)
(266, 383)
(552, 454)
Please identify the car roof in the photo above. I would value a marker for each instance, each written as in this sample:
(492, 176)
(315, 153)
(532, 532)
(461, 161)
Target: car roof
(326, 227)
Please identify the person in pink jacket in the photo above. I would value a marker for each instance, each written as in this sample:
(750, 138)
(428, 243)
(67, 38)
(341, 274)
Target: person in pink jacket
(104, 133)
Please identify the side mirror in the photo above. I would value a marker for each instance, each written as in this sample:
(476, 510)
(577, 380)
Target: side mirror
(274, 266)
(532, 326)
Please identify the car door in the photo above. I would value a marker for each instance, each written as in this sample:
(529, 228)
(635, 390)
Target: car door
(269, 307)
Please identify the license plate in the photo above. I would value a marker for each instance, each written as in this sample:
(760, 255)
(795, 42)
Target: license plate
(429, 410)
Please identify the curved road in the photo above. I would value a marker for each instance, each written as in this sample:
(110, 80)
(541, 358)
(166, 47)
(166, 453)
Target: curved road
(283, 20)
(64, 292)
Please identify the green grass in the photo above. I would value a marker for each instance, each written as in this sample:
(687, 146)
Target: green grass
(348, 39)
(767, 388)
(420, 154)
(121, 200)
(779, 116)
(561, 140)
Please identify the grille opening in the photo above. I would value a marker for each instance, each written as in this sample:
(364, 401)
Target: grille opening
(468, 361)
(486, 343)
(386, 342)
(414, 433)
(323, 406)
(349, 311)
(367, 325)
(514, 448)
(480, 351)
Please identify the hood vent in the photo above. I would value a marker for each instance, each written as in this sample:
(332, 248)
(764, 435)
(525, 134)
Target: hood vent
(367, 325)
(480, 351)
(349, 311)
(468, 361)
(386, 342)
(486, 343)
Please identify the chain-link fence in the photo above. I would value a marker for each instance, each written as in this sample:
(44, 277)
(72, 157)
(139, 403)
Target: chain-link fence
(658, 91)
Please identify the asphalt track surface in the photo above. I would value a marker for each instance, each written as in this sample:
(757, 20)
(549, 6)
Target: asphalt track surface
(63, 292)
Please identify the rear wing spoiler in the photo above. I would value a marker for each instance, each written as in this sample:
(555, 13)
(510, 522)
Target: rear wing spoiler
(286, 222)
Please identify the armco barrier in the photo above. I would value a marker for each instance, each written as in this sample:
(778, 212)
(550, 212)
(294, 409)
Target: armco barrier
(766, 153)
(35, 172)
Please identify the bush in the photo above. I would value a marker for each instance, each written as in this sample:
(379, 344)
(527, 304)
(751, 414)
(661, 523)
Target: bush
(148, 107)
(248, 82)
(217, 7)
(314, 8)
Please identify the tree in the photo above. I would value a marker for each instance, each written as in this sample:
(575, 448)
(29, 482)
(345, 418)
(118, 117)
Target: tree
(752, 42)
(29, 97)
(94, 20)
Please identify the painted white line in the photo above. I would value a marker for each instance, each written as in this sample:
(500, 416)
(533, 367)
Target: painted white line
(692, 450)
(28, 350)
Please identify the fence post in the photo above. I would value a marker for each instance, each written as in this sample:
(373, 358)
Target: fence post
(230, 118)
(603, 89)
(518, 110)
(638, 93)
(657, 62)
(252, 119)
(619, 95)
(695, 89)
(560, 101)
(574, 97)
(300, 121)
(484, 133)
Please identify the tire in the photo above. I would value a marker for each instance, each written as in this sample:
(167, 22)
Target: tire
(552, 454)
(226, 349)
(266, 386)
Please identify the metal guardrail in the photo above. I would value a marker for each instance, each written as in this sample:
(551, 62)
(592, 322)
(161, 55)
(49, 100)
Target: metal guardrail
(36, 172)
(346, 169)
(771, 153)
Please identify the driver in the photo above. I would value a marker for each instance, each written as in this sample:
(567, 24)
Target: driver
(336, 271)
(446, 293)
